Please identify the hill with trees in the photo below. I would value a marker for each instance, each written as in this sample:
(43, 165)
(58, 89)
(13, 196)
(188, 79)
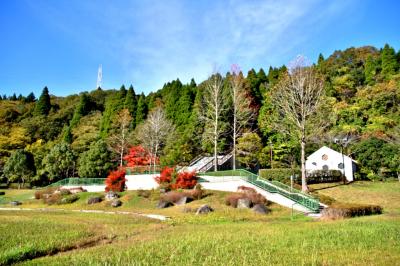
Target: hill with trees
(50, 138)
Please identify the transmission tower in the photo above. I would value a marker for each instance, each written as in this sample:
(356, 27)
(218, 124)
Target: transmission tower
(99, 77)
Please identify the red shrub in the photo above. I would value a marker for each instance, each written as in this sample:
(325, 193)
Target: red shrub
(165, 177)
(244, 189)
(169, 178)
(116, 181)
(185, 180)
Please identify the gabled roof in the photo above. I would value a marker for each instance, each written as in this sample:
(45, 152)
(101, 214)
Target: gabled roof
(326, 149)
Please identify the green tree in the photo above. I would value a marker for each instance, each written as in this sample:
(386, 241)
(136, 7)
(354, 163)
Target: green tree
(131, 103)
(30, 98)
(389, 62)
(60, 162)
(43, 105)
(249, 147)
(141, 111)
(20, 167)
(370, 69)
(96, 162)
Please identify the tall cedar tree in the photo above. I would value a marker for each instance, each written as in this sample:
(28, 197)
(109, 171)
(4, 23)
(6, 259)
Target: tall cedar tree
(43, 105)
(141, 111)
(131, 104)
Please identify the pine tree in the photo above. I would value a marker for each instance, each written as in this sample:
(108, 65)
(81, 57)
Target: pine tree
(30, 98)
(321, 59)
(13, 97)
(131, 103)
(122, 92)
(141, 110)
(43, 105)
(389, 62)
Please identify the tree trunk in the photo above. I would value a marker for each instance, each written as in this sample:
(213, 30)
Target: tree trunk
(121, 157)
(216, 139)
(304, 186)
(234, 143)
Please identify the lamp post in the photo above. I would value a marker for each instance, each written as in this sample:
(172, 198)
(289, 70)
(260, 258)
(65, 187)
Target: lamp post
(342, 142)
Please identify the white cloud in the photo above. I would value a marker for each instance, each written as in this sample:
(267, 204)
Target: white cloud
(156, 41)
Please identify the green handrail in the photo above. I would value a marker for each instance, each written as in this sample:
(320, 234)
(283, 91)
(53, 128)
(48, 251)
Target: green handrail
(301, 198)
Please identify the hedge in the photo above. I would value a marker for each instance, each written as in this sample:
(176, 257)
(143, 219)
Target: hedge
(283, 175)
(346, 210)
(279, 174)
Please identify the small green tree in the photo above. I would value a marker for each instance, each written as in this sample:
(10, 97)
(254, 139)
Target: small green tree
(131, 104)
(96, 162)
(43, 105)
(249, 147)
(20, 167)
(60, 162)
(389, 62)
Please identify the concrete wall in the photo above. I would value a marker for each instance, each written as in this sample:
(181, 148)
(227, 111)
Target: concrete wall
(134, 182)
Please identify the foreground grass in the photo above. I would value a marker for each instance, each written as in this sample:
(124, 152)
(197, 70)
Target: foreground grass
(385, 194)
(361, 241)
(27, 235)
(226, 237)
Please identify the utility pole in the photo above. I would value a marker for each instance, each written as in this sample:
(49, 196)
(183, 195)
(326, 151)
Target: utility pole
(342, 142)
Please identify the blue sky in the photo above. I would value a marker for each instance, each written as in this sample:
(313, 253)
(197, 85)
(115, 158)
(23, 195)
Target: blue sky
(60, 44)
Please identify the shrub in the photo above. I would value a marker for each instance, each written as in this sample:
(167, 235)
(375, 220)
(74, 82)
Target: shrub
(115, 181)
(170, 179)
(143, 193)
(244, 189)
(54, 198)
(232, 199)
(323, 176)
(46, 191)
(197, 192)
(2, 193)
(255, 198)
(279, 174)
(69, 199)
(343, 210)
(64, 192)
(185, 180)
(173, 196)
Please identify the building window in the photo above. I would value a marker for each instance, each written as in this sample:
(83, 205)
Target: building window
(340, 166)
(325, 157)
(314, 163)
(325, 167)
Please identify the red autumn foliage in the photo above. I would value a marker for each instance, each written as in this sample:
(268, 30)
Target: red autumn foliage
(169, 178)
(138, 156)
(185, 180)
(115, 181)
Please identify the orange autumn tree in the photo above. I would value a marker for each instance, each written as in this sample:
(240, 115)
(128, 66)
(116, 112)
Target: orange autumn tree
(139, 158)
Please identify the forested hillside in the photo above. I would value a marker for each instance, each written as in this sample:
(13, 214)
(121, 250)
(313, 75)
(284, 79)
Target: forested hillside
(52, 137)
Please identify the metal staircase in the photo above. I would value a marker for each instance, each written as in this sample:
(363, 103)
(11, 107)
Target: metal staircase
(295, 195)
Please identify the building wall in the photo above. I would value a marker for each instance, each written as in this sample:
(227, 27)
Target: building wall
(332, 160)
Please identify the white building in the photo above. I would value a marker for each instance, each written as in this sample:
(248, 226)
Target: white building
(327, 159)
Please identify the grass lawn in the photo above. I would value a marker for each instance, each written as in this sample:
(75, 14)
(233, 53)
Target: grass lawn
(226, 237)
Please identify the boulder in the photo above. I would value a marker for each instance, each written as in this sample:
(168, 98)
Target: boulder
(116, 203)
(260, 208)
(181, 201)
(111, 195)
(93, 200)
(163, 204)
(15, 203)
(203, 209)
(243, 203)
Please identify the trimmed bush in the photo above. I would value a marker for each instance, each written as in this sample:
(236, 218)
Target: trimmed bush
(323, 176)
(2, 193)
(279, 174)
(69, 199)
(255, 198)
(173, 196)
(52, 199)
(344, 210)
(46, 191)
